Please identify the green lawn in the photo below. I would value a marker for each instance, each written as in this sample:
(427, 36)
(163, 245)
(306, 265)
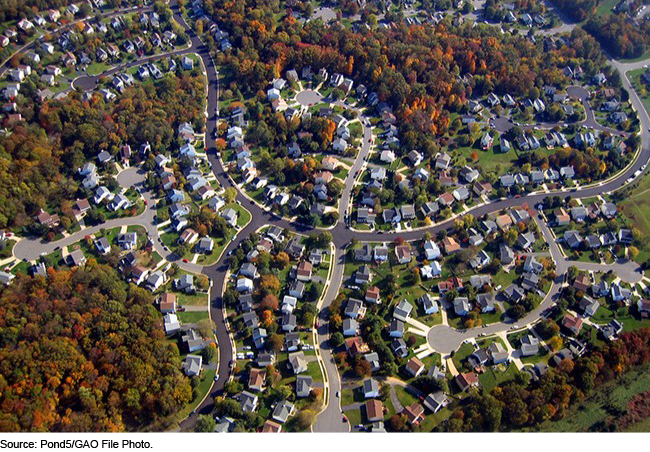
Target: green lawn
(495, 375)
(404, 397)
(192, 317)
(463, 352)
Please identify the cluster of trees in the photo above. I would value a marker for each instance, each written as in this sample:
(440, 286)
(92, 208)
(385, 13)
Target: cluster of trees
(577, 10)
(620, 36)
(42, 154)
(81, 351)
(522, 405)
(268, 289)
(414, 68)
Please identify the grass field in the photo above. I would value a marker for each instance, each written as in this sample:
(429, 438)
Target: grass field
(192, 317)
(605, 7)
(640, 87)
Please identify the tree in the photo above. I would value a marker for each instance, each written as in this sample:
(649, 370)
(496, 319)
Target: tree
(270, 284)
(209, 353)
(324, 239)
(336, 340)
(205, 423)
(281, 260)
(276, 342)
(205, 327)
(304, 419)
(362, 367)
(229, 195)
(632, 252)
(270, 301)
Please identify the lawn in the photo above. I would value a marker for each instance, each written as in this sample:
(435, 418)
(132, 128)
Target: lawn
(354, 416)
(495, 375)
(639, 86)
(463, 352)
(192, 317)
(404, 397)
(605, 7)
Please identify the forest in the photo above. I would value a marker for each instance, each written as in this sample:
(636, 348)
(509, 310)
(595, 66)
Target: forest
(622, 38)
(39, 159)
(81, 351)
(520, 405)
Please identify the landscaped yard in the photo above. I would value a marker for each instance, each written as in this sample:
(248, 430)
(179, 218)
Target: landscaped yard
(193, 316)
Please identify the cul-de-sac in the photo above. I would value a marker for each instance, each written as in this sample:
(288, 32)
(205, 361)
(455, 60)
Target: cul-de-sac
(324, 216)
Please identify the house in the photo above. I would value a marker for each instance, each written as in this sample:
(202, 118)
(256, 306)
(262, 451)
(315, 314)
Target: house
(303, 386)
(403, 310)
(529, 281)
(230, 215)
(643, 307)
(478, 359)
(514, 293)
(45, 219)
(579, 213)
(171, 324)
(589, 306)
(461, 306)
(372, 295)
(256, 379)
(435, 401)
(450, 245)
(248, 402)
(414, 157)
(526, 240)
(486, 141)
(562, 218)
(531, 265)
(76, 258)
(582, 282)
(466, 380)
(167, 303)
(387, 156)
(282, 411)
(529, 345)
(192, 365)
(354, 308)
(573, 239)
(374, 410)
(304, 271)
(572, 323)
(362, 275)
(485, 302)
(396, 328)
(297, 362)
(399, 347)
(350, 327)
(414, 413)
(184, 284)
(244, 285)
(403, 253)
(355, 346)
(187, 63)
(429, 304)
(480, 260)
(506, 255)
(414, 367)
